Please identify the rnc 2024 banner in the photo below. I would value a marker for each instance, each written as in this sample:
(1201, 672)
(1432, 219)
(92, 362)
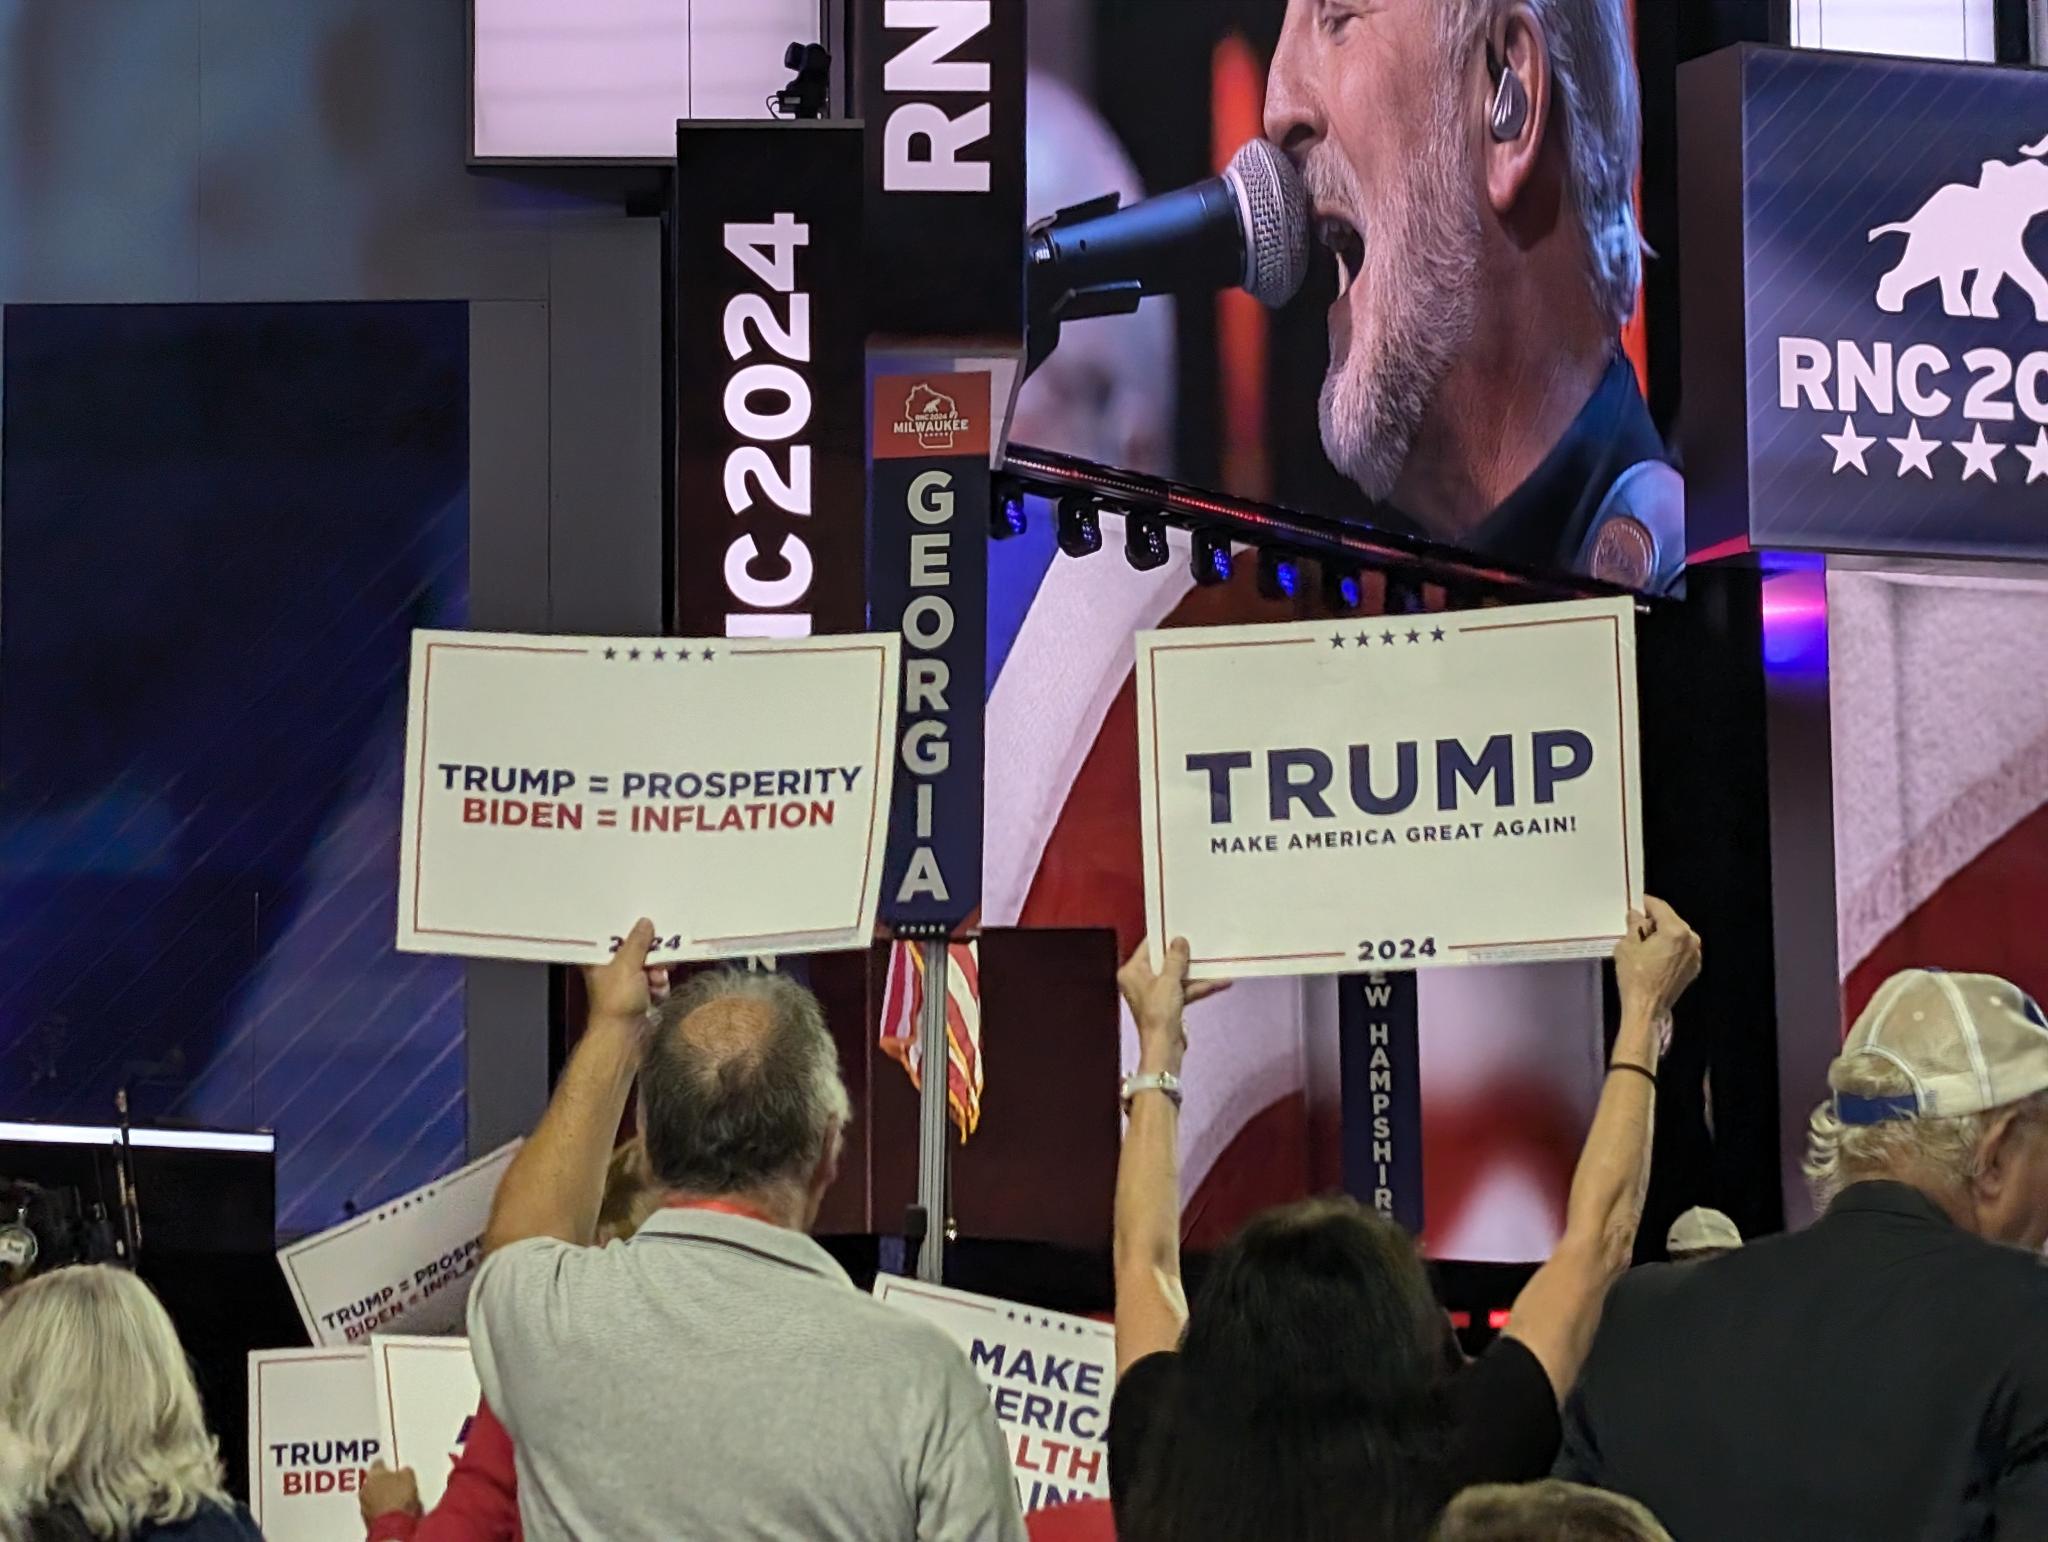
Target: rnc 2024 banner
(1392, 792)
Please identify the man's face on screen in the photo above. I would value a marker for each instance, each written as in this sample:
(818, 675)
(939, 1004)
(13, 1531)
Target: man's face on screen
(1366, 96)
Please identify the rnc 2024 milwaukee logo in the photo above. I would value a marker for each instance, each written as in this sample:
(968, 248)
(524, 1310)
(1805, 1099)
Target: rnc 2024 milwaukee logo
(1961, 255)
(932, 418)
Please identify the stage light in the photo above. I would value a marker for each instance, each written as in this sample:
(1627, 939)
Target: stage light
(1008, 517)
(1343, 588)
(1404, 595)
(1080, 525)
(1211, 561)
(1279, 574)
(1145, 540)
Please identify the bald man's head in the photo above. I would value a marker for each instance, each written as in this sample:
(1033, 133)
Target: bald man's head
(739, 1089)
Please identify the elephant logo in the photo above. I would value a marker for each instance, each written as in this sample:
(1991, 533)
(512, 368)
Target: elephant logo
(1978, 227)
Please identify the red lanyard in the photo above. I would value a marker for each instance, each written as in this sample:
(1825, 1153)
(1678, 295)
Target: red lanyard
(722, 1207)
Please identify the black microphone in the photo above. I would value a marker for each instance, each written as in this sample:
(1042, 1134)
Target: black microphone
(1248, 228)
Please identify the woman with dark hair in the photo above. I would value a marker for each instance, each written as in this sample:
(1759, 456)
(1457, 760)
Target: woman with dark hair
(1310, 1399)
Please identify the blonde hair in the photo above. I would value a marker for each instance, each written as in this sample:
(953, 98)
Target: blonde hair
(15, 1467)
(1550, 1511)
(1944, 1150)
(95, 1384)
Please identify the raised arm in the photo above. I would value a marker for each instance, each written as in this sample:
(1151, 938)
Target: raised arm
(1151, 1307)
(1559, 1309)
(555, 1184)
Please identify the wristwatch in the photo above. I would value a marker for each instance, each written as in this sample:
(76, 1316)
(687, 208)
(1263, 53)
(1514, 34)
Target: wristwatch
(1151, 1081)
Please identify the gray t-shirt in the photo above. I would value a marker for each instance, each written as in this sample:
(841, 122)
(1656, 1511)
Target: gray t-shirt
(717, 1377)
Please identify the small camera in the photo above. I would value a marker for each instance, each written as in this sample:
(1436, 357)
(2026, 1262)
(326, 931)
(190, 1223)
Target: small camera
(809, 93)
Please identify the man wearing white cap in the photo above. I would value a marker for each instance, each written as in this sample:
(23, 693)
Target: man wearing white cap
(1883, 1374)
(1701, 1233)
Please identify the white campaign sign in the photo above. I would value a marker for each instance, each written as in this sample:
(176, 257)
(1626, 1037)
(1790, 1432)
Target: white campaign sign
(427, 1393)
(406, 1266)
(733, 790)
(312, 1431)
(1391, 791)
(1049, 1375)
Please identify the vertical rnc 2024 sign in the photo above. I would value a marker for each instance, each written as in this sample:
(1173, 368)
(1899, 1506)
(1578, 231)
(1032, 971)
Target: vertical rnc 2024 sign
(770, 380)
(942, 93)
(930, 579)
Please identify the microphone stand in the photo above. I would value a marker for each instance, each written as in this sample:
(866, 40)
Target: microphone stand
(124, 1184)
(1047, 306)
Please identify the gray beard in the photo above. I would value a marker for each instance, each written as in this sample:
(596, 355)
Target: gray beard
(1418, 286)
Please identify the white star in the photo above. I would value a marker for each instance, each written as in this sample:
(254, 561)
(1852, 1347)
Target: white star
(2037, 456)
(1848, 446)
(1914, 450)
(1978, 453)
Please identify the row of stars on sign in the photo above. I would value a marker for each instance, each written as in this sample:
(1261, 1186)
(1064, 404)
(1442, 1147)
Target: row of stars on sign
(1054, 1323)
(1364, 639)
(680, 655)
(1980, 455)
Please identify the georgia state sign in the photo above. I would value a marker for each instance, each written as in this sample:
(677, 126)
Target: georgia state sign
(1871, 229)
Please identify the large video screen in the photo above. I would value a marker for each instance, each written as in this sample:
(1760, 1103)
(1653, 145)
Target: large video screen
(221, 524)
(1478, 379)
(1467, 360)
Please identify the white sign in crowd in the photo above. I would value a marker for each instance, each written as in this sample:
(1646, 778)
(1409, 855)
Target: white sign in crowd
(1392, 792)
(312, 1431)
(735, 791)
(406, 1267)
(1050, 1376)
(319, 1417)
(427, 1393)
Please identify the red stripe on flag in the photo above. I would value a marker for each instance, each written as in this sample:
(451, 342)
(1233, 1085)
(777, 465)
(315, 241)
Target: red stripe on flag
(902, 1025)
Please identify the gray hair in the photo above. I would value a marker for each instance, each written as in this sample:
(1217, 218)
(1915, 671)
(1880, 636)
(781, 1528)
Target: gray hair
(739, 1086)
(1549, 1511)
(1944, 1151)
(1592, 61)
(103, 1411)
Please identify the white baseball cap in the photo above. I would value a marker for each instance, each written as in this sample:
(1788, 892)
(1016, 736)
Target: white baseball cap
(1966, 1043)
(1701, 1230)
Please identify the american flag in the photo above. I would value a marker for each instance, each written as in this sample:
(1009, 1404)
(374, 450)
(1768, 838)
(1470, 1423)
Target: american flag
(902, 1012)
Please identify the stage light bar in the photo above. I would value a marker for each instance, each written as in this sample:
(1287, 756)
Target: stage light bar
(1080, 525)
(1008, 518)
(1343, 587)
(1211, 562)
(1351, 543)
(1279, 574)
(152, 1140)
(1145, 545)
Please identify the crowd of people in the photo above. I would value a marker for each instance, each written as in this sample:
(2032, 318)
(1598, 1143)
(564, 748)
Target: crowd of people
(665, 1352)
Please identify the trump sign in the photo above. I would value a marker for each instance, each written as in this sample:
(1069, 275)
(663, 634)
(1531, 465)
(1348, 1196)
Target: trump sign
(735, 791)
(312, 1431)
(1050, 1378)
(1401, 792)
(1870, 229)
